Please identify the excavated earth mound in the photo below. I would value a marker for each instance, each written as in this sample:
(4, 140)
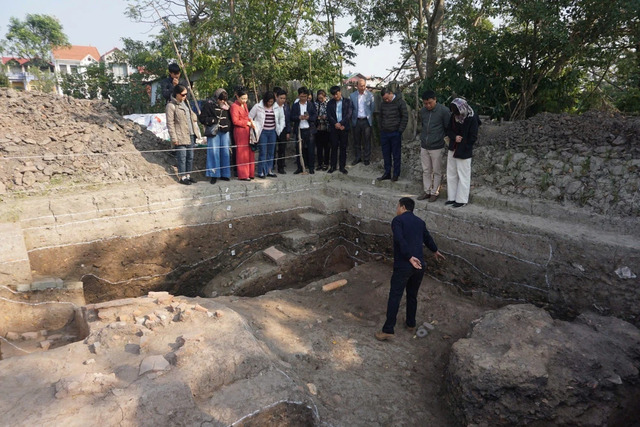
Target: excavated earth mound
(521, 367)
(51, 141)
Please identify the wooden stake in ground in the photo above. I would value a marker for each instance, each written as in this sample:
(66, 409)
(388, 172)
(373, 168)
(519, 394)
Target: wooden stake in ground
(304, 170)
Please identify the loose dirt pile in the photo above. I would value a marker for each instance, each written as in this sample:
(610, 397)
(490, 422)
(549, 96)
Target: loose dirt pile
(51, 141)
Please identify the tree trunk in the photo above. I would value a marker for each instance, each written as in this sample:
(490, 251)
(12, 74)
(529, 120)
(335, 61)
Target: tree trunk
(525, 101)
(435, 25)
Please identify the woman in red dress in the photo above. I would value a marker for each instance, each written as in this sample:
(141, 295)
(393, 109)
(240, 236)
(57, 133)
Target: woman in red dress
(245, 158)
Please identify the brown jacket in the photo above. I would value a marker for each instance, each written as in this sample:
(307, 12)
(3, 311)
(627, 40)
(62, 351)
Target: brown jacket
(178, 125)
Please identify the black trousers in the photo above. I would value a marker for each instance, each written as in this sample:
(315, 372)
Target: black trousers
(339, 141)
(401, 279)
(308, 149)
(362, 140)
(323, 147)
(281, 151)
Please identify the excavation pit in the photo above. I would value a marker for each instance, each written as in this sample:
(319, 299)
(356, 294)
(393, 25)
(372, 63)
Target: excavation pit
(248, 317)
(228, 258)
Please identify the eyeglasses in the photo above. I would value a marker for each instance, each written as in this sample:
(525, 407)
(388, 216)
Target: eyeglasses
(183, 94)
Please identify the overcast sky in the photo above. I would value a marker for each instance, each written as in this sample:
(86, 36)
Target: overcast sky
(101, 23)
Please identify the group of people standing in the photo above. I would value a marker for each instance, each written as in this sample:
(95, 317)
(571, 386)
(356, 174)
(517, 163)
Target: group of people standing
(460, 124)
(320, 131)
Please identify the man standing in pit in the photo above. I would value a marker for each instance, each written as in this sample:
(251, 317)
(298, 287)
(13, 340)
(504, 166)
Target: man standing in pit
(409, 234)
(435, 119)
(362, 121)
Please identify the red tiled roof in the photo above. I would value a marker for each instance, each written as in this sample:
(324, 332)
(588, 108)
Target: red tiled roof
(20, 61)
(76, 52)
(112, 50)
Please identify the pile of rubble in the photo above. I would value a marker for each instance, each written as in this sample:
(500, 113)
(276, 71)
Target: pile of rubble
(49, 141)
(592, 160)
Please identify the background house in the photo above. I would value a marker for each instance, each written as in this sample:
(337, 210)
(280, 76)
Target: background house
(22, 72)
(74, 59)
(114, 62)
(373, 82)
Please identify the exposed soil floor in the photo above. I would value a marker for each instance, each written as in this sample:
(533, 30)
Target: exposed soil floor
(328, 340)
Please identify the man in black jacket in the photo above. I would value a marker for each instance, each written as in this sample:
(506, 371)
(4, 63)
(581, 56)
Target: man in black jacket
(283, 138)
(409, 234)
(339, 111)
(393, 121)
(172, 81)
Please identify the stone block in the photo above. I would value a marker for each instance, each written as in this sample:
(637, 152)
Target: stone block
(297, 239)
(23, 287)
(47, 283)
(72, 286)
(45, 344)
(275, 255)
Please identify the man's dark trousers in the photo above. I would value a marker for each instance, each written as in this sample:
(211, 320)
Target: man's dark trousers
(401, 279)
(391, 143)
(308, 149)
(282, 150)
(362, 139)
(339, 140)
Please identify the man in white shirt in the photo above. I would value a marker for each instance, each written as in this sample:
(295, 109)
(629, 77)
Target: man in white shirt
(362, 120)
(303, 121)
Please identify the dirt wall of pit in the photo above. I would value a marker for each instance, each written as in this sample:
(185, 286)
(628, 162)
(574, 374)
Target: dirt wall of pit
(564, 266)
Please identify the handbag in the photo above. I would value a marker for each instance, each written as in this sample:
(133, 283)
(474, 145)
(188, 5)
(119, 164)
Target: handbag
(253, 139)
(212, 130)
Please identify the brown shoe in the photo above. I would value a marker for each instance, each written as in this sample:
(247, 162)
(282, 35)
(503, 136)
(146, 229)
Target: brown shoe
(411, 329)
(383, 336)
(433, 198)
(424, 196)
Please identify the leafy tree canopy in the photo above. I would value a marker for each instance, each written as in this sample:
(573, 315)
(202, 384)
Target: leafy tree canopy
(34, 37)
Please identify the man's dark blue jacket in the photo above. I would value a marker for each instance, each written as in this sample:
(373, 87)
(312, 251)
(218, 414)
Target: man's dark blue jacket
(332, 116)
(295, 118)
(409, 234)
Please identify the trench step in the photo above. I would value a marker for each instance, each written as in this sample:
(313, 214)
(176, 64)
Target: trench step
(297, 240)
(315, 222)
(327, 204)
(15, 267)
(236, 281)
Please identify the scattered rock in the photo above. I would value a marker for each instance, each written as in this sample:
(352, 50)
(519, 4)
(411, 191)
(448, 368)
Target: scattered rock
(312, 389)
(153, 364)
(96, 348)
(45, 344)
(30, 336)
(200, 308)
(13, 336)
